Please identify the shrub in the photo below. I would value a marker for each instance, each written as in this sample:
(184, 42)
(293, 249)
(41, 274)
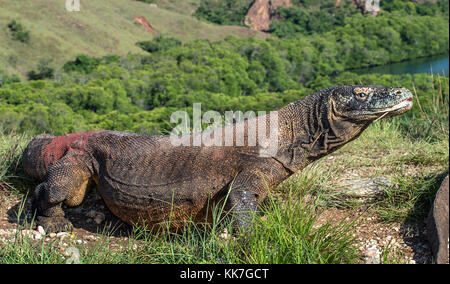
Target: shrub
(226, 12)
(5, 79)
(44, 71)
(18, 32)
(159, 43)
(83, 63)
(147, 1)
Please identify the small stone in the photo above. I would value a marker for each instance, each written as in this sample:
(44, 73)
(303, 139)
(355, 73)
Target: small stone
(26, 233)
(41, 230)
(52, 235)
(37, 236)
(90, 237)
(373, 255)
(224, 235)
(62, 234)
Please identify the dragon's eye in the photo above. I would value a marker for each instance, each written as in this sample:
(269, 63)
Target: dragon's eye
(361, 96)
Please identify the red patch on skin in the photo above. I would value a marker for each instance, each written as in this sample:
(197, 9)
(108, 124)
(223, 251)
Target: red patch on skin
(60, 145)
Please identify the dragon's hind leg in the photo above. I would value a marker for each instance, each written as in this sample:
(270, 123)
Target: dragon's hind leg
(67, 181)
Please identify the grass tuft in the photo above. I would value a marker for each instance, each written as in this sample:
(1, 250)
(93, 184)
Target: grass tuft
(12, 178)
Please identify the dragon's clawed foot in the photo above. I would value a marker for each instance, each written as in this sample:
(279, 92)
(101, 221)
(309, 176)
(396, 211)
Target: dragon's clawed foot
(54, 224)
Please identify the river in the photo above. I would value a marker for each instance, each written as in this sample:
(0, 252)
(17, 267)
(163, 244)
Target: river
(437, 64)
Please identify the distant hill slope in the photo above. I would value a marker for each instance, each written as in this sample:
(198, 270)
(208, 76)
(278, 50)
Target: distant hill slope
(186, 7)
(100, 28)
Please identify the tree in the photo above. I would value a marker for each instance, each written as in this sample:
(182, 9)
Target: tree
(44, 71)
(159, 43)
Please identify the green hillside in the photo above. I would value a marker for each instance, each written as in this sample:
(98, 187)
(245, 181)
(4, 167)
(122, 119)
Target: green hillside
(186, 7)
(99, 28)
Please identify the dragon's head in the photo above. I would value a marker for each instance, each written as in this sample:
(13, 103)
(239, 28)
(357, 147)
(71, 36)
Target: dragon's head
(368, 103)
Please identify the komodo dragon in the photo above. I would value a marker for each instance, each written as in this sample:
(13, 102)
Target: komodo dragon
(144, 179)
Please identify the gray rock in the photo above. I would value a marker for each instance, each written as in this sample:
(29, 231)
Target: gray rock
(437, 224)
(37, 236)
(367, 187)
(373, 255)
(62, 235)
(41, 230)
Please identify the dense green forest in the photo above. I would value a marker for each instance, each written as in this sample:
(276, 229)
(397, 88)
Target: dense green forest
(306, 19)
(139, 92)
(310, 16)
(224, 12)
(402, 29)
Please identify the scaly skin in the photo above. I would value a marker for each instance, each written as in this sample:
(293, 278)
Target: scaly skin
(145, 180)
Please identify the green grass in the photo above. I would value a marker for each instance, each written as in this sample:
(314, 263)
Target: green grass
(411, 150)
(409, 200)
(290, 233)
(285, 235)
(186, 7)
(12, 178)
(99, 28)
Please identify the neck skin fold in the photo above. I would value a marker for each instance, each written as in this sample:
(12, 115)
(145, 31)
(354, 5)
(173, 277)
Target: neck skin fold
(311, 128)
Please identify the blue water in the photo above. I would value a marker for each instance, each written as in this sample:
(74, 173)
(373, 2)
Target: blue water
(436, 64)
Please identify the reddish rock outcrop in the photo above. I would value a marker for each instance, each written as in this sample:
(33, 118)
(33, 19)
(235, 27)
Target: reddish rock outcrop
(143, 21)
(261, 12)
